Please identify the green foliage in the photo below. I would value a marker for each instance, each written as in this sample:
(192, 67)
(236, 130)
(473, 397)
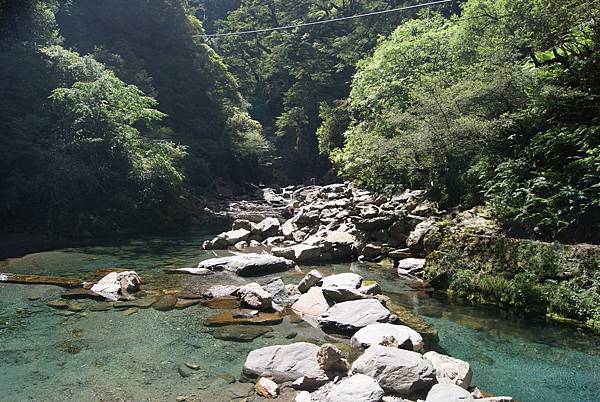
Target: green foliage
(293, 77)
(496, 105)
(561, 281)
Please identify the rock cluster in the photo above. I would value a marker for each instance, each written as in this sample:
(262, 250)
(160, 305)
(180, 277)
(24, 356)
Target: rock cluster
(337, 222)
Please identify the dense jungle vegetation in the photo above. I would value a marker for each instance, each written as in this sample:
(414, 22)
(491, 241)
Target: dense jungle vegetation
(116, 113)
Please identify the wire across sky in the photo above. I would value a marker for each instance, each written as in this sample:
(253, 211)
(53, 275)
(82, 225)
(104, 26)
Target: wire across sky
(307, 24)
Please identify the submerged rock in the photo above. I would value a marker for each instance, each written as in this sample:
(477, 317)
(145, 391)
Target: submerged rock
(165, 303)
(248, 264)
(230, 318)
(40, 280)
(239, 333)
(398, 372)
(80, 293)
(284, 362)
(191, 271)
(348, 317)
(225, 302)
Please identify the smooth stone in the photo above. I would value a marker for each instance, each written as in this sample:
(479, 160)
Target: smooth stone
(248, 264)
(450, 370)
(184, 371)
(227, 318)
(283, 362)
(399, 372)
(225, 302)
(345, 280)
(192, 366)
(357, 388)
(58, 304)
(240, 333)
(373, 334)
(445, 392)
(145, 302)
(350, 316)
(165, 303)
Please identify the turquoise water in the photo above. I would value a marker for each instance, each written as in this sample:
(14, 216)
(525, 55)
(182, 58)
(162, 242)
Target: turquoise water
(108, 356)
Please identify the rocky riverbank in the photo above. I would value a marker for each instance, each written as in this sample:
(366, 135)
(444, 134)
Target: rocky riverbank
(465, 252)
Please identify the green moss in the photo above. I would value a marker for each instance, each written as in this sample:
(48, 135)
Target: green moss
(548, 278)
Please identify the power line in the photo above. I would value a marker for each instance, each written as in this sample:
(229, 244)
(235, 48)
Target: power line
(306, 24)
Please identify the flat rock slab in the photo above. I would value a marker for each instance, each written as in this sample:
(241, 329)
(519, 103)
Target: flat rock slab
(248, 264)
(348, 317)
(230, 318)
(165, 303)
(80, 293)
(224, 303)
(284, 362)
(399, 372)
(345, 280)
(40, 280)
(239, 333)
(372, 334)
(191, 271)
(145, 302)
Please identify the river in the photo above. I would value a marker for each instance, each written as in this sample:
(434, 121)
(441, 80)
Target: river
(52, 355)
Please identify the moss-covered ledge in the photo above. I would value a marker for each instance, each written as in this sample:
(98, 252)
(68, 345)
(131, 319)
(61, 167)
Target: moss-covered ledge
(558, 280)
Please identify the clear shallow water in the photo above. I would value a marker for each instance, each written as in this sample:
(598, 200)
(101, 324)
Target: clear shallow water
(105, 355)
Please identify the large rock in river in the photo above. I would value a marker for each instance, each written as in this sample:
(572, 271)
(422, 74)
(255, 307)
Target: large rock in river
(284, 362)
(357, 388)
(449, 393)
(348, 317)
(117, 284)
(450, 370)
(373, 334)
(299, 252)
(399, 372)
(248, 264)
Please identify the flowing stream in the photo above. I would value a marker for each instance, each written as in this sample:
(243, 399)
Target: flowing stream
(52, 355)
